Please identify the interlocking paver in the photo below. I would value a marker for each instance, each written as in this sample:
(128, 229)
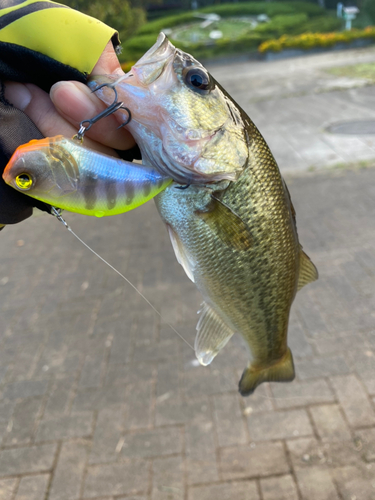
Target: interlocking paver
(139, 401)
(254, 460)
(68, 476)
(230, 425)
(279, 425)
(366, 445)
(302, 393)
(92, 369)
(7, 488)
(307, 368)
(329, 423)
(305, 452)
(353, 482)
(21, 427)
(60, 396)
(244, 490)
(279, 488)
(107, 436)
(316, 483)
(168, 479)
(125, 408)
(98, 399)
(32, 487)
(65, 427)
(152, 443)
(27, 460)
(117, 479)
(201, 450)
(25, 389)
(354, 401)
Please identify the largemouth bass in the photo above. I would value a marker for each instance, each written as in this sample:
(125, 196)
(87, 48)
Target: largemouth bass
(231, 220)
(67, 175)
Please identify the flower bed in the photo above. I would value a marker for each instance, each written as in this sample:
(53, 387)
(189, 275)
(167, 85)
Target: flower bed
(308, 41)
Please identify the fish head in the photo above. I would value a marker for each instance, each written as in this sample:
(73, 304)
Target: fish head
(42, 169)
(183, 121)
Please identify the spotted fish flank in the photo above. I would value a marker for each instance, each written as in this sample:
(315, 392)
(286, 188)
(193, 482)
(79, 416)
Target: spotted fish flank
(66, 175)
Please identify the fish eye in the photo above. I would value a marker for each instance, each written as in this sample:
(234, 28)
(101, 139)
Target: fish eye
(197, 79)
(24, 181)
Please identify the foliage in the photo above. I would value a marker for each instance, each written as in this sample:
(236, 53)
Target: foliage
(311, 40)
(361, 70)
(369, 9)
(271, 9)
(117, 13)
(291, 17)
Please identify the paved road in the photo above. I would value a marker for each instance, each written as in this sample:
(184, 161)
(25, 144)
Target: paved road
(100, 399)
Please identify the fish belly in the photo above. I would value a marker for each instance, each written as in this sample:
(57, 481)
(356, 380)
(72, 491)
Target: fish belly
(251, 289)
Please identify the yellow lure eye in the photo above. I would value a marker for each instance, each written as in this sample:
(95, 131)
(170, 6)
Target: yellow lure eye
(24, 181)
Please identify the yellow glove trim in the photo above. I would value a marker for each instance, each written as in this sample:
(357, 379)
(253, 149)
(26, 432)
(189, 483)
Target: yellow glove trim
(66, 35)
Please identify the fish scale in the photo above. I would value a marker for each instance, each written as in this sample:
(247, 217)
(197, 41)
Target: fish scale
(232, 227)
(228, 213)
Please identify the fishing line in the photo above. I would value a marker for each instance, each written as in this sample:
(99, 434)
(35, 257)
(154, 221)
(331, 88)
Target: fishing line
(58, 216)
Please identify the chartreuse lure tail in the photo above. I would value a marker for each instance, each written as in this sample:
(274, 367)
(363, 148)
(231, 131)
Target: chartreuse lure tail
(65, 174)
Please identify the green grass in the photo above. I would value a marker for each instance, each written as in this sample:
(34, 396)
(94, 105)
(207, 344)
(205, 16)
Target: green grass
(230, 28)
(362, 70)
(289, 17)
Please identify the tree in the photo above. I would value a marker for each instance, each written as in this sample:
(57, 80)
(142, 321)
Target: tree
(116, 13)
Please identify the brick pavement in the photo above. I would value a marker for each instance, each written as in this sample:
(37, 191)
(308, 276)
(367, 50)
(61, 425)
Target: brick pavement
(99, 399)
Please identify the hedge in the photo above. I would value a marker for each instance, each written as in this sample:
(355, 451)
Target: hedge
(311, 40)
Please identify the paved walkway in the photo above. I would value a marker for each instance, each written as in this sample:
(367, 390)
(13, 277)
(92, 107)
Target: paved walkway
(99, 398)
(294, 101)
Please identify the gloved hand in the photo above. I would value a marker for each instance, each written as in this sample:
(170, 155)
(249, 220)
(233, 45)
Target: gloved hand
(69, 102)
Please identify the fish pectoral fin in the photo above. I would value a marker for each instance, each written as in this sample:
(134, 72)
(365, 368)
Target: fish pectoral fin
(307, 270)
(213, 334)
(227, 225)
(281, 371)
(180, 253)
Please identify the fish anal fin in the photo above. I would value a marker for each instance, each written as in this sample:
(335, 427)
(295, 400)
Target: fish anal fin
(307, 270)
(227, 225)
(281, 371)
(212, 335)
(180, 253)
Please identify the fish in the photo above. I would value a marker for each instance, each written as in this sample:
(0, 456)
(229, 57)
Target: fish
(67, 175)
(228, 213)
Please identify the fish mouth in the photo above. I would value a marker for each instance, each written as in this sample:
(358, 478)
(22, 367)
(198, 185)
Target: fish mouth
(161, 49)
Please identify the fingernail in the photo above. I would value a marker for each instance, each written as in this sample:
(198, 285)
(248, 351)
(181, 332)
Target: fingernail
(18, 95)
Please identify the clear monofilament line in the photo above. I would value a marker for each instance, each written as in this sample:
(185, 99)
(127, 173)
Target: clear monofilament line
(58, 216)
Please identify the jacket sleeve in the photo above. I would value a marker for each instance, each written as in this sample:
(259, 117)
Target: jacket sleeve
(41, 42)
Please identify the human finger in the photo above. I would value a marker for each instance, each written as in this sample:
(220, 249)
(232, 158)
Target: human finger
(40, 109)
(76, 102)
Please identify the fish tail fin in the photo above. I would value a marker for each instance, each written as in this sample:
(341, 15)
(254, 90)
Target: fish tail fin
(281, 371)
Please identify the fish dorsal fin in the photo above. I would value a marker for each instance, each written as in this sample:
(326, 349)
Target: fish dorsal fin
(227, 225)
(307, 271)
(212, 336)
(180, 253)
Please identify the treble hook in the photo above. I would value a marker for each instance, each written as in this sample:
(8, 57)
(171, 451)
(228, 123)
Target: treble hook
(115, 106)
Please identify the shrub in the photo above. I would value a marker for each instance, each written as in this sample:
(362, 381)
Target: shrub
(311, 40)
(282, 24)
(238, 9)
(369, 9)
